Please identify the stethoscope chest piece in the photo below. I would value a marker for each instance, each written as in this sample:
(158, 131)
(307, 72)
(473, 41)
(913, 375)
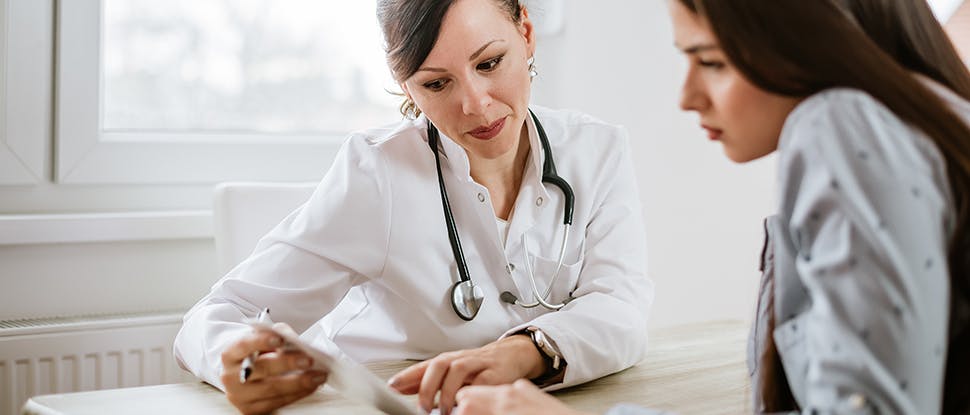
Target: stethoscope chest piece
(466, 298)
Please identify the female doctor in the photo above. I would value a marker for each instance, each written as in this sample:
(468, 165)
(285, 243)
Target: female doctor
(500, 241)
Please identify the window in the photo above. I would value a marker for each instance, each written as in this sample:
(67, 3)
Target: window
(958, 27)
(24, 80)
(197, 91)
(944, 8)
(258, 66)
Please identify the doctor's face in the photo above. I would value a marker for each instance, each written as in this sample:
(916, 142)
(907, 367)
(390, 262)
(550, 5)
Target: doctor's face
(745, 119)
(475, 85)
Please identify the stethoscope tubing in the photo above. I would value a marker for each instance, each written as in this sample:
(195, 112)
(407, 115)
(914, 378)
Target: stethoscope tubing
(446, 207)
(549, 175)
(543, 300)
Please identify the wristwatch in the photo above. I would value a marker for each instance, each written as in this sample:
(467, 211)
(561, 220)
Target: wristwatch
(553, 359)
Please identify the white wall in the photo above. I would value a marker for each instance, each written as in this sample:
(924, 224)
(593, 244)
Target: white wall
(615, 59)
(70, 279)
(612, 58)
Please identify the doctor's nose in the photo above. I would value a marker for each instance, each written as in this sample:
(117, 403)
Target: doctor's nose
(476, 98)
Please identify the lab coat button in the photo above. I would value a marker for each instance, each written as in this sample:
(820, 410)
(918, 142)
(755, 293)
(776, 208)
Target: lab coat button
(510, 268)
(539, 201)
(857, 401)
(481, 197)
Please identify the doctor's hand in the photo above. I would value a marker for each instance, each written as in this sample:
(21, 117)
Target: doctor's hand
(278, 376)
(519, 398)
(500, 362)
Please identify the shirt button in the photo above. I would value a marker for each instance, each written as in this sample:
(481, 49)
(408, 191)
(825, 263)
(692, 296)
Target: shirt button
(481, 197)
(510, 268)
(539, 201)
(857, 401)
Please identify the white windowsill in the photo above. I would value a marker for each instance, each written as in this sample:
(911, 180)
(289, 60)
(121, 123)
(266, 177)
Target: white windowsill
(104, 227)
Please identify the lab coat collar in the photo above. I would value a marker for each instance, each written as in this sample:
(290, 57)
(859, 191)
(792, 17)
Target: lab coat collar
(531, 189)
(456, 157)
(452, 153)
(536, 154)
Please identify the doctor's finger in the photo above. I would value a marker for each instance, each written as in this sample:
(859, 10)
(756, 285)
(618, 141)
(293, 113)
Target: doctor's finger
(460, 373)
(431, 381)
(266, 395)
(408, 381)
(269, 405)
(283, 385)
(277, 363)
(249, 344)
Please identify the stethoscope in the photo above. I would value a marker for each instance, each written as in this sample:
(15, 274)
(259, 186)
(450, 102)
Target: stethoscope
(466, 297)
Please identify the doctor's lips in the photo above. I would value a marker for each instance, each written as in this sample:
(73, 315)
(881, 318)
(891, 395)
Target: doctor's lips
(713, 133)
(490, 131)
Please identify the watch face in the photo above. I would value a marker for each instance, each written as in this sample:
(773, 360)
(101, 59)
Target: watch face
(539, 338)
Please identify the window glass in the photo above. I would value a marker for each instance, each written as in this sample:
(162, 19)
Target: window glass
(250, 66)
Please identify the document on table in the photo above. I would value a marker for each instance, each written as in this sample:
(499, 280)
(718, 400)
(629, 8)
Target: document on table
(347, 377)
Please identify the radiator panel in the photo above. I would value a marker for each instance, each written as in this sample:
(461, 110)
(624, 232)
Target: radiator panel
(83, 354)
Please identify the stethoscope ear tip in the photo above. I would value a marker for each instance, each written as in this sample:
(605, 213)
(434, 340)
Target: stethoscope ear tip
(508, 297)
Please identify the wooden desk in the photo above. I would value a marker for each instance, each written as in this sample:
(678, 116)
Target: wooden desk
(690, 369)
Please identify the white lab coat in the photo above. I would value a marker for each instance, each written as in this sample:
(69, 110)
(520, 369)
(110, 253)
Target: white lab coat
(365, 267)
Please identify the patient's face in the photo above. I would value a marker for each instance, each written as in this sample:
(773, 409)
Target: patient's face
(475, 84)
(745, 119)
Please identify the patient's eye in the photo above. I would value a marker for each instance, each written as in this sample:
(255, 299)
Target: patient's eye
(710, 63)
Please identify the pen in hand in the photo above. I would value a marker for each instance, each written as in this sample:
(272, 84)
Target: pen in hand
(247, 363)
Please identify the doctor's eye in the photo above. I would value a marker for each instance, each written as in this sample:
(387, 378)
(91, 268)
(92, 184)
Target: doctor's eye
(490, 64)
(436, 85)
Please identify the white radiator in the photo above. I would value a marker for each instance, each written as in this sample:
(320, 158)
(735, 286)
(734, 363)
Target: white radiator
(45, 356)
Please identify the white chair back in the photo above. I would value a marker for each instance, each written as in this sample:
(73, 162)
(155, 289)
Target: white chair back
(245, 211)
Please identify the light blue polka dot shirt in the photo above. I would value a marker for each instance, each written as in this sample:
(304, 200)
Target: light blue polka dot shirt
(857, 260)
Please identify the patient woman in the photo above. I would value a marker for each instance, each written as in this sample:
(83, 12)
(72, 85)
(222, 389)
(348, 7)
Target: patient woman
(864, 305)
(368, 267)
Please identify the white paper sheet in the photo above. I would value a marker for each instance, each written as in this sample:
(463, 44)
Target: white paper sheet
(347, 377)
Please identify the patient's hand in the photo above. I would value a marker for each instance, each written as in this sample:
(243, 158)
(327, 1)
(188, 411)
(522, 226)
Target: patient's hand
(519, 398)
(279, 376)
(499, 362)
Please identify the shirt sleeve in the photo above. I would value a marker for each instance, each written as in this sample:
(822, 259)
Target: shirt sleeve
(867, 223)
(604, 329)
(303, 267)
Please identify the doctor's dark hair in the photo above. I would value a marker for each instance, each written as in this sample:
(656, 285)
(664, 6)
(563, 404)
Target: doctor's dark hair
(797, 48)
(411, 29)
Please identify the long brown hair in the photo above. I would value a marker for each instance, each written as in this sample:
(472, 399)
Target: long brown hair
(801, 47)
(908, 31)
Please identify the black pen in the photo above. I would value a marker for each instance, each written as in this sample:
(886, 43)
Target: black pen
(247, 363)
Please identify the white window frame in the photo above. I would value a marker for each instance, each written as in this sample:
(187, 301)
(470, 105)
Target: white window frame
(944, 9)
(25, 80)
(88, 155)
